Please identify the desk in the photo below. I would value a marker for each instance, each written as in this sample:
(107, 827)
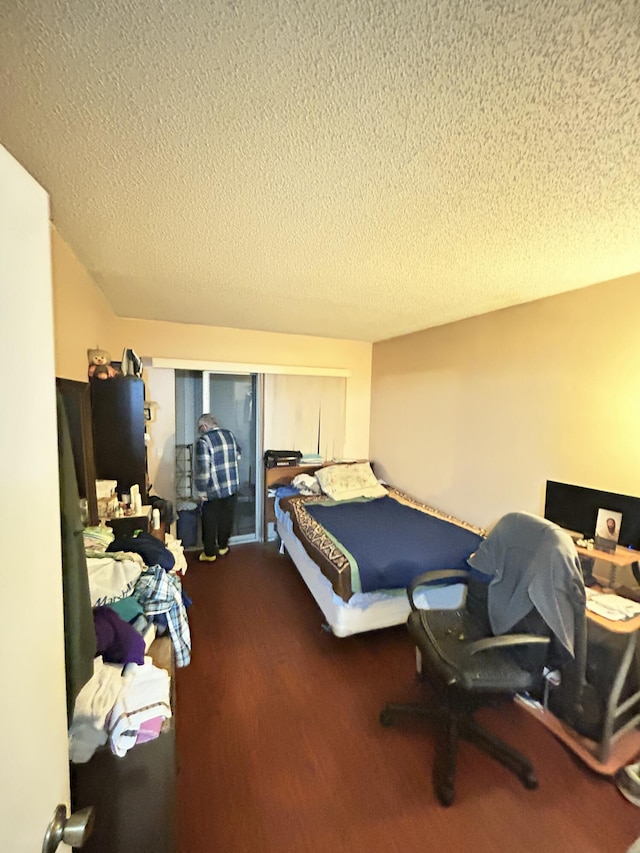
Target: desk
(616, 708)
(622, 565)
(620, 557)
(616, 747)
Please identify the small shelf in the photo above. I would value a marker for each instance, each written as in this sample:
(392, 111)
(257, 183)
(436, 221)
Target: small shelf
(620, 557)
(184, 471)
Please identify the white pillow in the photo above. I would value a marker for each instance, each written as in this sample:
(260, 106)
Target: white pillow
(345, 482)
(306, 484)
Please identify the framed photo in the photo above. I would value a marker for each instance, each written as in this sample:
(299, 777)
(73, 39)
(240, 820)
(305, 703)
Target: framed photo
(607, 529)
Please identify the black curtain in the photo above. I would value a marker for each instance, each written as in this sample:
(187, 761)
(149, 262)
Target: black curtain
(79, 630)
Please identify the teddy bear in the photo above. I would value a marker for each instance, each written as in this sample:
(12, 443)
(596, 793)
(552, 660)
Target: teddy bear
(100, 366)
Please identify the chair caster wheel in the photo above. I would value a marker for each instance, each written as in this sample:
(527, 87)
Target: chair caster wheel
(386, 717)
(446, 794)
(530, 781)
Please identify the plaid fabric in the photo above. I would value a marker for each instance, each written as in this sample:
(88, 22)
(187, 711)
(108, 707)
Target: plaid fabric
(216, 467)
(159, 592)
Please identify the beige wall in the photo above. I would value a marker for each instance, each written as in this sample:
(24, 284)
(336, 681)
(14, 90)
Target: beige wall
(84, 319)
(82, 316)
(475, 416)
(207, 343)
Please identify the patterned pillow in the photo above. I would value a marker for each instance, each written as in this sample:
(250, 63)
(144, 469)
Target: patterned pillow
(345, 482)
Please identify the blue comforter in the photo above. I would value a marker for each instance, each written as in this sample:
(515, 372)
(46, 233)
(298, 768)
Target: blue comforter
(392, 543)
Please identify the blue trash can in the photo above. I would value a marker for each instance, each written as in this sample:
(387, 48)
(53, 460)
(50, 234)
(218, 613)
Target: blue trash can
(187, 525)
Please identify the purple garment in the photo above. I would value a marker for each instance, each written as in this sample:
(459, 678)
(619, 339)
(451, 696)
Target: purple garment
(117, 640)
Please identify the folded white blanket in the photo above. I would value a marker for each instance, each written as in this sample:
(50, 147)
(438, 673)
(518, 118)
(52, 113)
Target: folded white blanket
(111, 579)
(93, 704)
(144, 696)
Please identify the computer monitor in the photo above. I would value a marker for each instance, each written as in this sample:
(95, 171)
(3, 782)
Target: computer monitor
(576, 508)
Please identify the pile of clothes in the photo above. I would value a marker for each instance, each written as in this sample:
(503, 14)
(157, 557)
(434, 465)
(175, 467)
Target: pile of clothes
(139, 578)
(136, 595)
(124, 705)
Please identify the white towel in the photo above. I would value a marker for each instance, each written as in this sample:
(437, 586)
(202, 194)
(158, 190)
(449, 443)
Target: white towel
(175, 546)
(144, 696)
(94, 702)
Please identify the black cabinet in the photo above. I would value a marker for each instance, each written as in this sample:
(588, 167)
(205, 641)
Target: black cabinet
(134, 796)
(117, 406)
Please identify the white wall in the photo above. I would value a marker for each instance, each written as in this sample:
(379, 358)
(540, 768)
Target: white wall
(160, 388)
(33, 725)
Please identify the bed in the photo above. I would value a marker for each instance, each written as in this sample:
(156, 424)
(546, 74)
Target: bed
(359, 581)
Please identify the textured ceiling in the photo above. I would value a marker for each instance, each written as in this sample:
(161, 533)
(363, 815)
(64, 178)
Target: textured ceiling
(347, 168)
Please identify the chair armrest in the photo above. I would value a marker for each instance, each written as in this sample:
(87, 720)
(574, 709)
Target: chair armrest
(439, 577)
(506, 640)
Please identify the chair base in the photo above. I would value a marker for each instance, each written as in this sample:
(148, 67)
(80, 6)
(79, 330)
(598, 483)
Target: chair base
(456, 724)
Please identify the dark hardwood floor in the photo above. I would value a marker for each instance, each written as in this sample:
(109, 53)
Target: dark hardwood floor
(280, 748)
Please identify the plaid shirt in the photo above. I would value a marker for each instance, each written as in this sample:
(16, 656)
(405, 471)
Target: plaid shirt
(216, 469)
(159, 592)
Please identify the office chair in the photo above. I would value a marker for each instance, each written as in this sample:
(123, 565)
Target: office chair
(524, 610)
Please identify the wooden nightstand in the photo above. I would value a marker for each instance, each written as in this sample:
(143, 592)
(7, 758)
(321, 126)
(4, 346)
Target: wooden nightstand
(280, 476)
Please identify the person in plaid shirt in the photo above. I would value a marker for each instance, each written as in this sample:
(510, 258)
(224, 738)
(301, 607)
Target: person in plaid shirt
(217, 482)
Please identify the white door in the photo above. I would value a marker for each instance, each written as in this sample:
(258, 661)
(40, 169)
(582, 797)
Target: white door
(33, 728)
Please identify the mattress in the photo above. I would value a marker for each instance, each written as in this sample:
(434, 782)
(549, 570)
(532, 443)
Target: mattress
(338, 565)
(327, 572)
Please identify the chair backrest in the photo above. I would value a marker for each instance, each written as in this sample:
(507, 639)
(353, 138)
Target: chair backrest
(530, 563)
(532, 658)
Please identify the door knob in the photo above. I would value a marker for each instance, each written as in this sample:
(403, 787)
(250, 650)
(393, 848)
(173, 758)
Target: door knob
(73, 830)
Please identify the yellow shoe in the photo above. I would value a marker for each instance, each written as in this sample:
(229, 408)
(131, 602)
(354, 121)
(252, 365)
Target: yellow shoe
(223, 551)
(204, 559)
